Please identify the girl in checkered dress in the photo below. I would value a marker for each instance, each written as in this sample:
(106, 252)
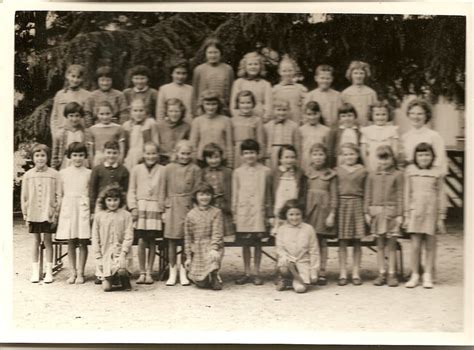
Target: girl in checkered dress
(351, 226)
(204, 239)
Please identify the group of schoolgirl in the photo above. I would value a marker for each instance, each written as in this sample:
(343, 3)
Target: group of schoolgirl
(141, 149)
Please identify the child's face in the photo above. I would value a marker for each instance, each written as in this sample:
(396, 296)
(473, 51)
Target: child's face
(349, 156)
(184, 155)
(150, 155)
(424, 159)
(358, 76)
(417, 116)
(281, 112)
(287, 72)
(318, 157)
(312, 117)
(380, 115)
(140, 81)
(288, 158)
(203, 199)
(294, 216)
(105, 83)
(173, 112)
(245, 104)
(347, 119)
(74, 79)
(137, 111)
(324, 80)
(250, 157)
(75, 119)
(385, 163)
(40, 159)
(112, 203)
(179, 75)
(111, 155)
(213, 55)
(214, 160)
(104, 114)
(252, 67)
(77, 158)
(210, 107)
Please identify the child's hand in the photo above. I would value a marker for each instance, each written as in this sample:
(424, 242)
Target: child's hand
(441, 226)
(330, 220)
(368, 219)
(187, 264)
(134, 213)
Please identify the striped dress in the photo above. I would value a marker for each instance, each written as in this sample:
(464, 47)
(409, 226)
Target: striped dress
(350, 213)
(203, 241)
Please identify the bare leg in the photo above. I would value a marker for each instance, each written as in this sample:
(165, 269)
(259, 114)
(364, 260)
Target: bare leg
(35, 247)
(392, 251)
(323, 251)
(246, 257)
(172, 252)
(48, 245)
(83, 252)
(257, 258)
(357, 259)
(381, 254)
(71, 254)
(342, 258)
(430, 253)
(151, 255)
(415, 260)
(141, 255)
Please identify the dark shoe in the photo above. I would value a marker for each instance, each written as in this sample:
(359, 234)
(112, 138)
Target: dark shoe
(322, 281)
(280, 284)
(97, 281)
(243, 280)
(392, 280)
(342, 281)
(216, 284)
(380, 280)
(125, 281)
(257, 280)
(356, 281)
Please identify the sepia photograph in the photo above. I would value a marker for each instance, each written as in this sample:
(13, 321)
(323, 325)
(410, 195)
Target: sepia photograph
(239, 172)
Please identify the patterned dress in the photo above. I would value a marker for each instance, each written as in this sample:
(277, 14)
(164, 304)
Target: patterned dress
(220, 179)
(321, 199)
(74, 218)
(425, 199)
(143, 191)
(351, 181)
(112, 234)
(176, 189)
(203, 241)
(374, 136)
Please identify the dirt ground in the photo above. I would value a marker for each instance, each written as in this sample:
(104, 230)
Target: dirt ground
(245, 308)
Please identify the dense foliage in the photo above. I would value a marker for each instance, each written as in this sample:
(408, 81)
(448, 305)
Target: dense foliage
(408, 54)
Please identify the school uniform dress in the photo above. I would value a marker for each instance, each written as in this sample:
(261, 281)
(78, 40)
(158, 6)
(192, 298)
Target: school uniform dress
(329, 102)
(204, 241)
(40, 197)
(217, 129)
(176, 189)
(143, 192)
(74, 218)
(376, 135)
(295, 95)
(383, 201)
(351, 181)
(97, 135)
(105, 175)
(252, 200)
(413, 137)
(217, 78)
(66, 136)
(136, 135)
(116, 99)
(337, 136)
(182, 92)
(262, 91)
(361, 97)
(425, 199)
(246, 127)
(148, 95)
(278, 134)
(169, 134)
(311, 134)
(112, 235)
(61, 99)
(220, 178)
(298, 245)
(321, 199)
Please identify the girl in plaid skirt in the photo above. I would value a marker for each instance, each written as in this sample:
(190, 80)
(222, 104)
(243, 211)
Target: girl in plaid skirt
(351, 226)
(204, 239)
